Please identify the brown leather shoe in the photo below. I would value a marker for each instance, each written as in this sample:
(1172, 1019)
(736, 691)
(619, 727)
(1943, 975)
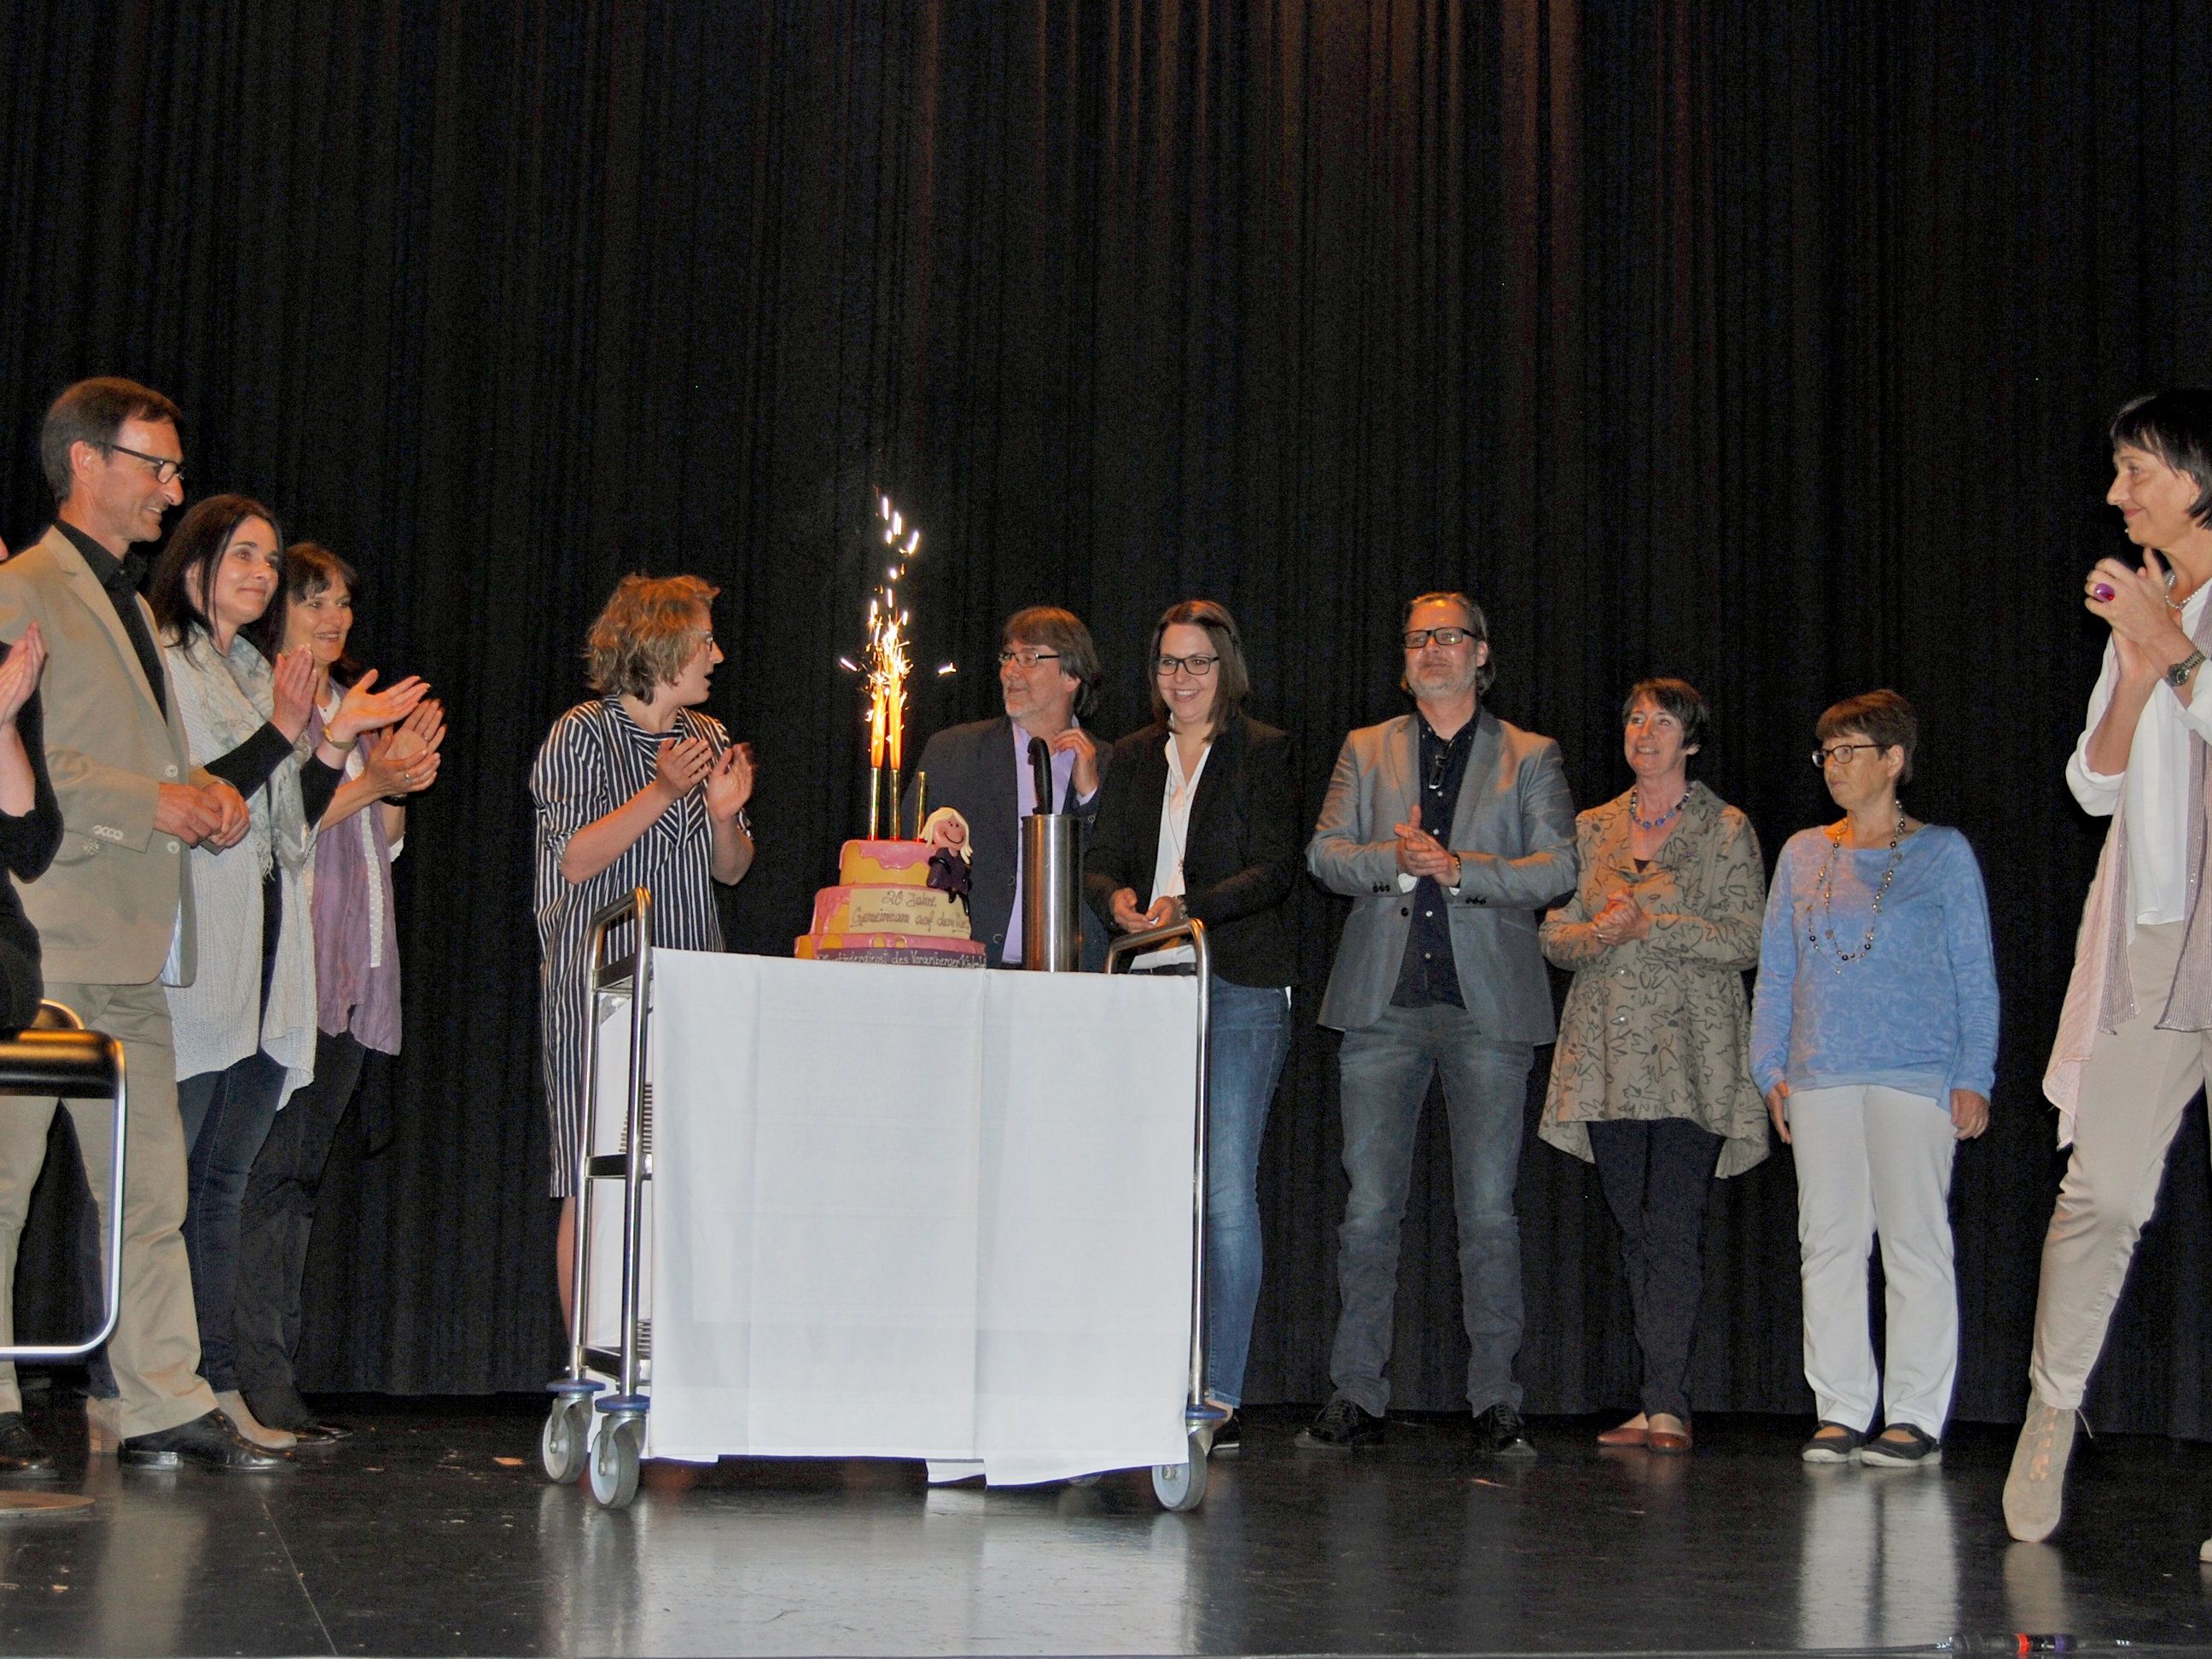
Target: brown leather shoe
(1631, 1433)
(1669, 1442)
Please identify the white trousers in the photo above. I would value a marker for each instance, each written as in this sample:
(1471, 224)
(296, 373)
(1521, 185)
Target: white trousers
(1876, 1161)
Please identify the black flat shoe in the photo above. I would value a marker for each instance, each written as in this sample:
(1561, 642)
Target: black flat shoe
(282, 1408)
(20, 1454)
(208, 1441)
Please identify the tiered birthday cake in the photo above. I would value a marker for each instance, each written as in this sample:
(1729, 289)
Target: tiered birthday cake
(898, 900)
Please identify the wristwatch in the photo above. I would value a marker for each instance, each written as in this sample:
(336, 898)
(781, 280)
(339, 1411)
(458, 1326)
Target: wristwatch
(2178, 676)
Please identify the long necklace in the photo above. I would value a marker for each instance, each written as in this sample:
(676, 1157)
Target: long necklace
(1635, 802)
(1824, 888)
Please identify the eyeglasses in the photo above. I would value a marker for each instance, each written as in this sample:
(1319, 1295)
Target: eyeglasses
(1197, 667)
(164, 468)
(1839, 751)
(1027, 658)
(1416, 637)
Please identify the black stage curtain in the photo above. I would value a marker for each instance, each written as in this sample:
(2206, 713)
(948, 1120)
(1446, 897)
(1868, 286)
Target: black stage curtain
(1767, 342)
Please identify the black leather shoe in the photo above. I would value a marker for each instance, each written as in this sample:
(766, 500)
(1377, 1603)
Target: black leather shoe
(1499, 1432)
(1341, 1426)
(1228, 1438)
(20, 1454)
(282, 1408)
(207, 1441)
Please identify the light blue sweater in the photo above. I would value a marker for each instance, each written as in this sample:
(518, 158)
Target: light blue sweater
(1918, 1012)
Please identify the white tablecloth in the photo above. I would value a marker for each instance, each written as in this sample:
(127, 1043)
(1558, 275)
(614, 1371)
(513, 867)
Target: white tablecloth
(915, 1212)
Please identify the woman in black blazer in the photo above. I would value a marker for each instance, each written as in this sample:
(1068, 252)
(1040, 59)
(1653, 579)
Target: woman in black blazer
(1198, 816)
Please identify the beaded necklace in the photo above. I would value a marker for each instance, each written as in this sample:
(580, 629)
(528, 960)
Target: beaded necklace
(1635, 802)
(1824, 888)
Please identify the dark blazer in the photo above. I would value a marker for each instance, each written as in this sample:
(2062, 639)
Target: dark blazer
(27, 848)
(1240, 860)
(971, 769)
(1514, 829)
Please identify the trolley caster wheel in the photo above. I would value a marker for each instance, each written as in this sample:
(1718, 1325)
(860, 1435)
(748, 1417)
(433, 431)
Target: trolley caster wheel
(615, 1459)
(562, 1451)
(1180, 1487)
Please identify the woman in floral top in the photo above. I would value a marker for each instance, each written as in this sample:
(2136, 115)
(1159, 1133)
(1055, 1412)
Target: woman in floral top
(1651, 1079)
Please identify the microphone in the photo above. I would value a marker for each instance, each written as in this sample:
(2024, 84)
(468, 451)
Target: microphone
(1040, 773)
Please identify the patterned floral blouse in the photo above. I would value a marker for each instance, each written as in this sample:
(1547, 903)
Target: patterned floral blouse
(1659, 1027)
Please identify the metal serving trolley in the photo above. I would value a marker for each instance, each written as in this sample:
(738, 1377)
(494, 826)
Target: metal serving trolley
(57, 1056)
(568, 1449)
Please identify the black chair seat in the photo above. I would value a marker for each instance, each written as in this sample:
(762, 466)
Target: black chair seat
(72, 1064)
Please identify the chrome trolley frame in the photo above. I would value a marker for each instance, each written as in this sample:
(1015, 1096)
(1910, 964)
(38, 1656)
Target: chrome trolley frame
(566, 1445)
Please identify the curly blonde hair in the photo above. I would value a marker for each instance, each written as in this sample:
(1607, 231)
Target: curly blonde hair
(649, 631)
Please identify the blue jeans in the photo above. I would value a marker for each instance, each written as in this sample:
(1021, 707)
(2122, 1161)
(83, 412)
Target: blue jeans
(227, 1115)
(1384, 1071)
(1248, 1038)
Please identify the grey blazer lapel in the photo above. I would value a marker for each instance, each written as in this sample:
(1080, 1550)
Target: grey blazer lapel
(1400, 780)
(1476, 788)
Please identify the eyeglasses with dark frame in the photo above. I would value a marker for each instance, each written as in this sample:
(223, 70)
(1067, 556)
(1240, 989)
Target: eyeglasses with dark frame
(1028, 657)
(164, 468)
(1839, 751)
(1197, 667)
(1415, 638)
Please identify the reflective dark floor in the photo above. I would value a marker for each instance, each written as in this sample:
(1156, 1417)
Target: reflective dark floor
(434, 1533)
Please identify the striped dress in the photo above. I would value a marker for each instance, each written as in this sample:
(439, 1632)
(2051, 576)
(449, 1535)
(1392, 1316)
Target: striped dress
(595, 758)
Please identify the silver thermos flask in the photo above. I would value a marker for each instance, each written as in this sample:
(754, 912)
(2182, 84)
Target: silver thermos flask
(1052, 876)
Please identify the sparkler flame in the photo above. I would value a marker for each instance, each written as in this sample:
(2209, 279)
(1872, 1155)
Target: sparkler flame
(885, 665)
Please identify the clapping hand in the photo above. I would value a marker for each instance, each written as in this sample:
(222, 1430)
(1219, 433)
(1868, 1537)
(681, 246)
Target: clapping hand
(297, 683)
(366, 710)
(405, 762)
(682, 762)
(730, 781)
(19, 674)
(1623, 919)
(1420, 854)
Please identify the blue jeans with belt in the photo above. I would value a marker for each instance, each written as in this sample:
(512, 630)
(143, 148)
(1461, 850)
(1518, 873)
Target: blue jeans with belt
(1248, 1035)
(1384, 1071)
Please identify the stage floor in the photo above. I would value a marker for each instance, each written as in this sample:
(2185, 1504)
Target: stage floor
(434, 1533)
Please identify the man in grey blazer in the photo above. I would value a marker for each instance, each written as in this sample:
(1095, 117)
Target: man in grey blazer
(114, 909)
(1048, 678)
(1449, 830)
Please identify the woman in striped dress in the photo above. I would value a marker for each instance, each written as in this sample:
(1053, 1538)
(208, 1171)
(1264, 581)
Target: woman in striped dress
(635, 788)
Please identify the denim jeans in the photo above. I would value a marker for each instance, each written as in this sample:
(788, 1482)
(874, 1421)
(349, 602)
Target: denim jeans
(1248, 1035)
(1384, 1071)
(227, 1115)
(277, 1217)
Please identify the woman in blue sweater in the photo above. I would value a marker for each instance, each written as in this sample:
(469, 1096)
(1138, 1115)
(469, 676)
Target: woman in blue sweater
(1874, 1038)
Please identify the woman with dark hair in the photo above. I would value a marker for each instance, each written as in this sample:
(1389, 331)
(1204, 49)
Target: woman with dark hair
(357, 956)
(635, 788)
(1649, 1078)
(1199, 817)
(1875, 1039)
(244, 1026)
(2134, 1044)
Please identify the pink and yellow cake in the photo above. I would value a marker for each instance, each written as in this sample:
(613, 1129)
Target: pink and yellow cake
(883, 909)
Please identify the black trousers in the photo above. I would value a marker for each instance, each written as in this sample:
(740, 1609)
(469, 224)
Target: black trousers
(1658, 1178)
(278, 1215)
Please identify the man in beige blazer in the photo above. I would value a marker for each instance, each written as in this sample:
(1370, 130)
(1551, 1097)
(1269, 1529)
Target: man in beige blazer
(114, 911)
(1449, 830)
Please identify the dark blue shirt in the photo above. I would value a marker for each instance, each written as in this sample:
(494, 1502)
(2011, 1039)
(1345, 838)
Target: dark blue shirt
(1427, 977)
